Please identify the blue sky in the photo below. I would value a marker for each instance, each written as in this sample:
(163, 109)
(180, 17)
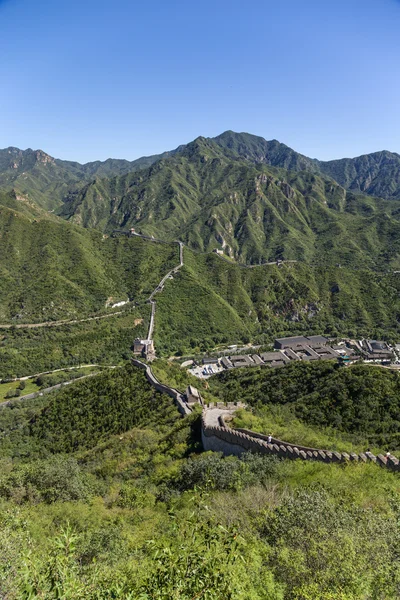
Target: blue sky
(86, 80)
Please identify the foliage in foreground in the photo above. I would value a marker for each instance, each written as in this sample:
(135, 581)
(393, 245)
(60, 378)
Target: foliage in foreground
(143, 514)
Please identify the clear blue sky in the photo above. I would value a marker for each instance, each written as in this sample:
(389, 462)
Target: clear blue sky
(90, 79)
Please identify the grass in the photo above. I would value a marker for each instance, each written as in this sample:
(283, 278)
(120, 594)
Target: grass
(282, 424)
(30, 387)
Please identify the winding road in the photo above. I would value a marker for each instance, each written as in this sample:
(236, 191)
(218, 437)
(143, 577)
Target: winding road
(57, 323)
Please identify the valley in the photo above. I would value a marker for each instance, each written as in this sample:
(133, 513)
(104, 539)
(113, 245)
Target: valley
(113, 483)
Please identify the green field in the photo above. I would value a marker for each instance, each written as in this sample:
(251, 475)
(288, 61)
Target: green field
(5, 388)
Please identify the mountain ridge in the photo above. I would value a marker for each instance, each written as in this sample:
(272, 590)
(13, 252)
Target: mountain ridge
(211, 198)
(376, 173)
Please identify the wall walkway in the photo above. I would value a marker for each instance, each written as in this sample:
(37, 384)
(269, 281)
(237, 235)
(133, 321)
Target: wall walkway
(221, 438)
(183, 408)
(218, 437)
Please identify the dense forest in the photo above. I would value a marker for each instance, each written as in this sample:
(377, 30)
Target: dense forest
(106, 341)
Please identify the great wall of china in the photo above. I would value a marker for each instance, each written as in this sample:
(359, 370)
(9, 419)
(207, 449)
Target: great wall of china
(221, 438)
(218, 437)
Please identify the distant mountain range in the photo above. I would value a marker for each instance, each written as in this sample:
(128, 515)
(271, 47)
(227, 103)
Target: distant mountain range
(254, 199)
(376, 174)
(36, 173)
(47, 180)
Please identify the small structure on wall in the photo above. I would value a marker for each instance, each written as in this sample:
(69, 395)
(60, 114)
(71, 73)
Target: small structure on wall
(192, 395)
(143, 347)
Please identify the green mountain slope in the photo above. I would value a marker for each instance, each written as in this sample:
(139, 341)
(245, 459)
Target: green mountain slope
(36, 175)
(211, 302)
(362, 400)
(376, 174)
(46, 180)
(258, 150)
(51, 270)
(210, 198)
(50, 181)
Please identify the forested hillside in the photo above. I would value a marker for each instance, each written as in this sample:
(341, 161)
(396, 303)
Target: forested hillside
(360, 400)
(46, 180)
(209, 302)
(213, 301)
(376, 174)
(210, 198)
(102, 341)
(103, 493)
(51, 270)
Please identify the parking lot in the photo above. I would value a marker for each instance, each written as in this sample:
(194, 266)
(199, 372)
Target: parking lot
(199, 371)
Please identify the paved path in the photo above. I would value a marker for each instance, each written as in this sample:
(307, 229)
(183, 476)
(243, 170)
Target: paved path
(211, 415)
(45, 391)
(25, 377)
(245, 266)
(58, 323)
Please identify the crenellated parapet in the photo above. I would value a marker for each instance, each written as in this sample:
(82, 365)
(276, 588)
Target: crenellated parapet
(183, 408)
(221, 438)
(218, 437)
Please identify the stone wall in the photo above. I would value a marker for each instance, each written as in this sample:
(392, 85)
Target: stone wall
(183, 408)
(221, 438)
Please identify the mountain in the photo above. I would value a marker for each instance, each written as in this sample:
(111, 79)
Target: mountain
(50, 269)
(210, 197)
(35, 175)
(49, 181)
(376, 174)
(212, 301)
(46, 180)
(258, 150)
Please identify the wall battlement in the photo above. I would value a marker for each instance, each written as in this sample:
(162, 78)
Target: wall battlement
(183, 408)
(221, 438)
